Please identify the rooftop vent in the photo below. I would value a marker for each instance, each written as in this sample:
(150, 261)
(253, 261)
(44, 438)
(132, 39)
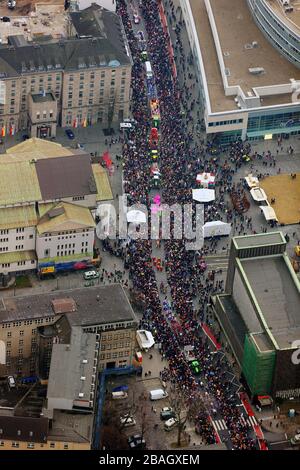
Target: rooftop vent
(226, 54)
(55, 212)
(227, 72)
(248, 46)
(66, 305)
(256, 70)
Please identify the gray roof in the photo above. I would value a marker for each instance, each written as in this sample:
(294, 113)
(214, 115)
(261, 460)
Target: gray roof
(31, 429)
(277, 294)
(259, 239)
(97, 22)
(111, 306)
(65, 177)
(71, 54)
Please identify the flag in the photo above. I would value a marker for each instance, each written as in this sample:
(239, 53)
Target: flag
(3, 131)
(75, 123)
(12, 129)
(84, 123)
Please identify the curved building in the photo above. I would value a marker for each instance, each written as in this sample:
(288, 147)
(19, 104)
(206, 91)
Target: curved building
(279, 20)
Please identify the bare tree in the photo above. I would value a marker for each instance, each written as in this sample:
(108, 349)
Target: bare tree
(184, 407)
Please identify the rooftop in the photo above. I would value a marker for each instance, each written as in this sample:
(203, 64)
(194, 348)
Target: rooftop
(71, 427)
(260, 239)
(42, 98)
(237, 30)
(18, 183)
(65, 177)
(95, 305)
(35, 148)
(277, 294)
(292, 18)
(21, 216)
(67, 216)
(107, 49)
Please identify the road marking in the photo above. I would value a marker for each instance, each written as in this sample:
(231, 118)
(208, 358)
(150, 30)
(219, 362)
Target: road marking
(219, 424)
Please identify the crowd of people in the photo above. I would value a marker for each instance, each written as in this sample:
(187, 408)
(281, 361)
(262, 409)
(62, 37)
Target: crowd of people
(180, 160)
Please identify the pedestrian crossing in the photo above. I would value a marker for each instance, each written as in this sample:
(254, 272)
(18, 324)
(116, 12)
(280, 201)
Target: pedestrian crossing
(220, 425)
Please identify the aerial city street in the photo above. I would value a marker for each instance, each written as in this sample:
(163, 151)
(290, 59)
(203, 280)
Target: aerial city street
(150, 225)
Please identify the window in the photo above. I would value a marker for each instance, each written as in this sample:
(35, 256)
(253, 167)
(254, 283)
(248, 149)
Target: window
(21, 332)
(52, 445)
(15, 444)
(66, 446)
(9, 334)
(30, 445)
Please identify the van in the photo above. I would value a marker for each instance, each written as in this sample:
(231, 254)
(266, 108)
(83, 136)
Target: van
(148, 67)
(125, 125)
(91, 275)
(158, 394)
(170, 424)
(119, 395)
(11, 381)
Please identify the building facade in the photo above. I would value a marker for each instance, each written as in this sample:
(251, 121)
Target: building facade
(87, 76)
(258, 316)
(248, 87)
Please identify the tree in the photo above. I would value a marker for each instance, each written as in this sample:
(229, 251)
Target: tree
(185, 408)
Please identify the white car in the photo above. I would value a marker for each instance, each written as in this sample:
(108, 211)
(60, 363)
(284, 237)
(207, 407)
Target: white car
(136, 18)
(127, 421)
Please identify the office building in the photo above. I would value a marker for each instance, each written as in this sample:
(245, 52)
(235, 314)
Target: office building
(259, 314)
(250, 90)
(65, 69)
(76, 332)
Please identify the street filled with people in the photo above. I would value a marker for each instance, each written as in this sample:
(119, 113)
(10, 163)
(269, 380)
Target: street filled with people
(177, 322)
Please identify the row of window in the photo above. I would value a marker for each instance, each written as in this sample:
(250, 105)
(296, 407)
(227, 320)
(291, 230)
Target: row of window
(225, 123)
(115, 346)
(32, 445)
(27, 322)
(114, 355)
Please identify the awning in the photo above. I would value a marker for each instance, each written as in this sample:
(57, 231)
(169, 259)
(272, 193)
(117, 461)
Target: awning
(258, 194)
(136, 216)
(268, 212)
(204, 195)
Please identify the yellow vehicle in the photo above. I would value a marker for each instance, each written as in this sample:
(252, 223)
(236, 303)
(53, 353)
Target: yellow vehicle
(297, 250)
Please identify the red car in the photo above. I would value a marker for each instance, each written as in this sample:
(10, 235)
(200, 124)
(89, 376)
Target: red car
(153, 138)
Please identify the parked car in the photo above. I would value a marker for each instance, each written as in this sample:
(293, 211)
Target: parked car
(127, 421)
(25, 136)
(170, 424)
(166, 413)
(140, 36)
(5, 19)
(70, 134)
(90, 275)
(136, 442)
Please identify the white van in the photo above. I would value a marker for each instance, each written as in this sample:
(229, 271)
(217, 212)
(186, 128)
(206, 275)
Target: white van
(149, 72)
(125, 125)
(119, 395)
(91, 275)
(158, 394)
(170, 424)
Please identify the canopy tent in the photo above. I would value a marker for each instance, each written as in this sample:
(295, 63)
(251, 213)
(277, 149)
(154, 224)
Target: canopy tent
(216, 228)
(252, 181)
(145, 339)
(136, 216)
(269, 213)
(207, 180)
(204, 195)
(258, 194)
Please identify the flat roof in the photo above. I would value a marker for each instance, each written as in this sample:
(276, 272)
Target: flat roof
(42, 98)
(292, 18)
(95, 305)
(277, 295)
(237, 29)
(259, 239)
(71, 427)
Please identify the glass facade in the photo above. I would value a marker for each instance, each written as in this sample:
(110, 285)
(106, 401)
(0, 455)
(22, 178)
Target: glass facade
(274, 122)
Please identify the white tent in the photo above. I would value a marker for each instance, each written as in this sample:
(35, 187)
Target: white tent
(204, 195)
(258, 194)
(135, 216)
(144, 339)
(252, 181)
(216, 228)
(268, 212)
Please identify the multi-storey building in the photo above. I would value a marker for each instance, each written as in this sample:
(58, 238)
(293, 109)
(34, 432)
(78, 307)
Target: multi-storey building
(82, 79)
(48, 220)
